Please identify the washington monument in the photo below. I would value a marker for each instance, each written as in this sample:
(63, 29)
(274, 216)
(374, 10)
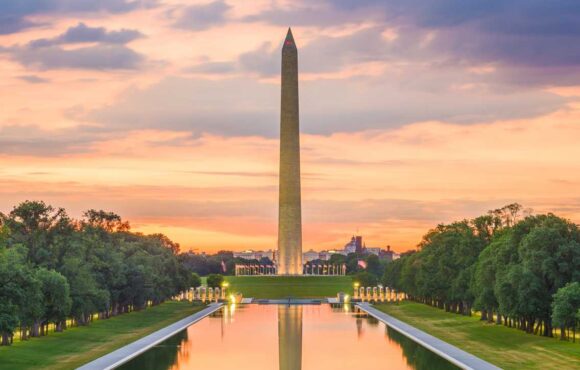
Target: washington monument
(289, 208)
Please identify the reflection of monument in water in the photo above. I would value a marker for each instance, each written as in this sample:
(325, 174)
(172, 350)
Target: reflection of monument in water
(289, 206)
(290, 337)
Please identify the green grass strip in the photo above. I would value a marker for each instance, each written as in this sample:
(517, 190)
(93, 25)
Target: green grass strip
(79, 345)
(505, 347)
(289, 286)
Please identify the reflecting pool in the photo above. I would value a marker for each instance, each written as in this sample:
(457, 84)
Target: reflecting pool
(294, 337)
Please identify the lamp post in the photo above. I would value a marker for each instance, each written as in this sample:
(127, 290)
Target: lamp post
(225, 285)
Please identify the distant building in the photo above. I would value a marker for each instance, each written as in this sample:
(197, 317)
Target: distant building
(355, 245)
(358, 243)
(375, 251)
(350, 247)
(389, 255)
(311, 255)
(325, 255)
(255, 255)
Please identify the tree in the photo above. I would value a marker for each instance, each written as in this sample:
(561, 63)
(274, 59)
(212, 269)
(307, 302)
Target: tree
(365, 279)
(107, 221)
(352, 265)
(215, 280)
(56, 300)
(483, 282)
(566, 308)
(497, 263)
(195, 280)
(374, 265)
(392, 274)
(19, 292)
(337, 259)
(53, 268)
(37, 225)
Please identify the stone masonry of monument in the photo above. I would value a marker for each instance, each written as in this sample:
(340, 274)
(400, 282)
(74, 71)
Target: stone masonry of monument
(289, 211)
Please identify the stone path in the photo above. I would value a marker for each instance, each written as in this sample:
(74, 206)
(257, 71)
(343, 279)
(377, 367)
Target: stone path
(124, 354)
(451, 353)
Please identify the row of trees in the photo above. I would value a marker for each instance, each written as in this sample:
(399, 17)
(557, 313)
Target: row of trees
(522, 273)
(54, 268)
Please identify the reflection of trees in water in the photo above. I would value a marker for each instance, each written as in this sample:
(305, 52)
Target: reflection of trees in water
(161, 357)
(372, 321)
(418, 356)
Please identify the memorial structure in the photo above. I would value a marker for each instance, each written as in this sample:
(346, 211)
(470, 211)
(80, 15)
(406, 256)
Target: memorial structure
(289, 211)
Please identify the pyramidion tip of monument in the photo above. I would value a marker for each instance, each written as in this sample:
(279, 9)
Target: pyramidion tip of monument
(289, 38)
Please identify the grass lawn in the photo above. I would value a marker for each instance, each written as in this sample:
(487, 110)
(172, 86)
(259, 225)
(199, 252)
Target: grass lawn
(502, 346)
(77, 346)
(289, 286)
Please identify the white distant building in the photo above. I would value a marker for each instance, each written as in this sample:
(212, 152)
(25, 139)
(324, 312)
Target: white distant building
(311, 255)
(254, 255)
(325, 255)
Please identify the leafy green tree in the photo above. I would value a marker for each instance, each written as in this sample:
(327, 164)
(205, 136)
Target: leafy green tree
(57, 268)
(215, 280)
(37, 225)
(19, 292)
(352, 266)
(195, 280)
(483, 282)
(337, 259)
(56, 297)
(374, 265)
(392, 274)
(107, 221)
(566, 308)
(409, 270)
(365, 279)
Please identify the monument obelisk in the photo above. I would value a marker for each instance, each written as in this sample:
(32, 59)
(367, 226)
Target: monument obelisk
(289, 208)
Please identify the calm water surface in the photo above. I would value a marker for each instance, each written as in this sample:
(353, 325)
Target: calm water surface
(270, 337)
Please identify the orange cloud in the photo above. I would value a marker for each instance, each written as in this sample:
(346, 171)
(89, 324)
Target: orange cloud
(220, 193)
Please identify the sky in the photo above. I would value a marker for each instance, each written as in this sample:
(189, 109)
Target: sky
(413, 113)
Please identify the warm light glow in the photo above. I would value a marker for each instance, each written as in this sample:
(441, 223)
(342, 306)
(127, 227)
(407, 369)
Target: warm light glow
(185, 143)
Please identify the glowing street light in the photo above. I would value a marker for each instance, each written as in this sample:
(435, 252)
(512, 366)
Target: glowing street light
(225, 285)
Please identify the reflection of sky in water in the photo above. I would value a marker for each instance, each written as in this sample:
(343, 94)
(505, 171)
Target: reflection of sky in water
(269, 337)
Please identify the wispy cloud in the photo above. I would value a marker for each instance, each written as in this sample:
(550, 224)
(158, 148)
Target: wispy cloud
(412, 113)
(200, 17)
(14, 14)
(106, 50)
(33, 79)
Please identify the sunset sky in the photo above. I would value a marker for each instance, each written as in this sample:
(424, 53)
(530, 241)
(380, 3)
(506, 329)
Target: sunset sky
(413, 113)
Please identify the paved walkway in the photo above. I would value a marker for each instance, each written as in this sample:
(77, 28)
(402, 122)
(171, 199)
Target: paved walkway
(451, 353)
(124, 354)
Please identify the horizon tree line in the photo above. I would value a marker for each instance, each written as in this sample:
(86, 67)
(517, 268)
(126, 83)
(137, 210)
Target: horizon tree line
(522, 272)
(55, 269)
